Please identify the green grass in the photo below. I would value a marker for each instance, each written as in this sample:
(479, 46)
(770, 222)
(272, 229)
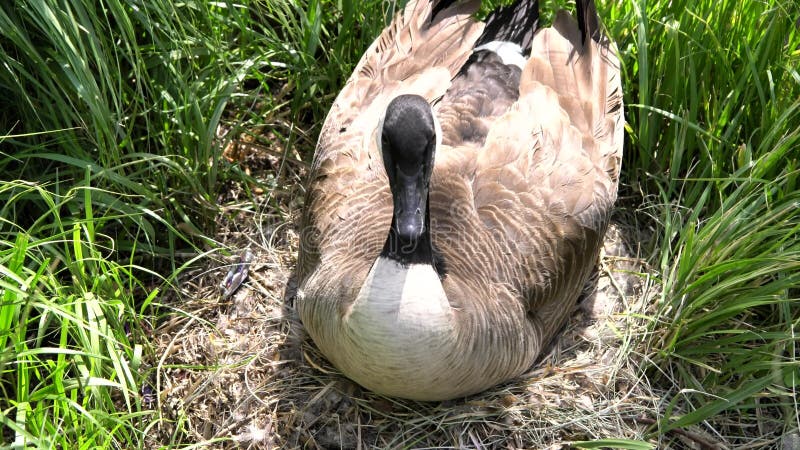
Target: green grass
(111, 171)
(69, 369)
(714, 111)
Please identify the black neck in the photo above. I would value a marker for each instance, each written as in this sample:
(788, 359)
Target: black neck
(419, 251)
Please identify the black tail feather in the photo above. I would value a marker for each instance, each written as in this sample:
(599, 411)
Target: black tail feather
(513, 23)
(440, 6)
(588, 22)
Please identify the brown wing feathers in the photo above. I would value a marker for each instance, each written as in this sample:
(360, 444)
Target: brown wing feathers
(554, 157)
(584, 74)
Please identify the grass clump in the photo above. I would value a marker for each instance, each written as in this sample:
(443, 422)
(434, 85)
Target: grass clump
(109, 161)
(715, 121)
(68, 328)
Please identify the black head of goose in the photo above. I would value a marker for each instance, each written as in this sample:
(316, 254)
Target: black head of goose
(460, 190)
(408, 142)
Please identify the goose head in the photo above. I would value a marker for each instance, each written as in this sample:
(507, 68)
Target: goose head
(408, 145)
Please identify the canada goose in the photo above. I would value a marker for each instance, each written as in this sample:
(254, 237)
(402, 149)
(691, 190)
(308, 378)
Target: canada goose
(459, 196)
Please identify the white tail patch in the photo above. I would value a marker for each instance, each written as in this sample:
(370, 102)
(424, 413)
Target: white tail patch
(509, 52)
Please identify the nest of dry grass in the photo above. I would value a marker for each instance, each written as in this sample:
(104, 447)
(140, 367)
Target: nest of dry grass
(241, 373)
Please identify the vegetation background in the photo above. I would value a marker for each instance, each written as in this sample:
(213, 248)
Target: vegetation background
(114, 116)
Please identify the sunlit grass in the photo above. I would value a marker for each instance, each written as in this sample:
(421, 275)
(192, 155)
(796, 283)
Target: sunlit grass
(67, 327)
(715, 130)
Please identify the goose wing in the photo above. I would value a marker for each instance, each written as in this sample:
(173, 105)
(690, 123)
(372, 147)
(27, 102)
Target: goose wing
(564, 178)
(543, 178)
(348, 193)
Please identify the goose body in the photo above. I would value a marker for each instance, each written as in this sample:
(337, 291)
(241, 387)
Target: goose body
(459, 195)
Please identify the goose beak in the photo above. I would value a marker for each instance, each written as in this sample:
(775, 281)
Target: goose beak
(410, 202)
